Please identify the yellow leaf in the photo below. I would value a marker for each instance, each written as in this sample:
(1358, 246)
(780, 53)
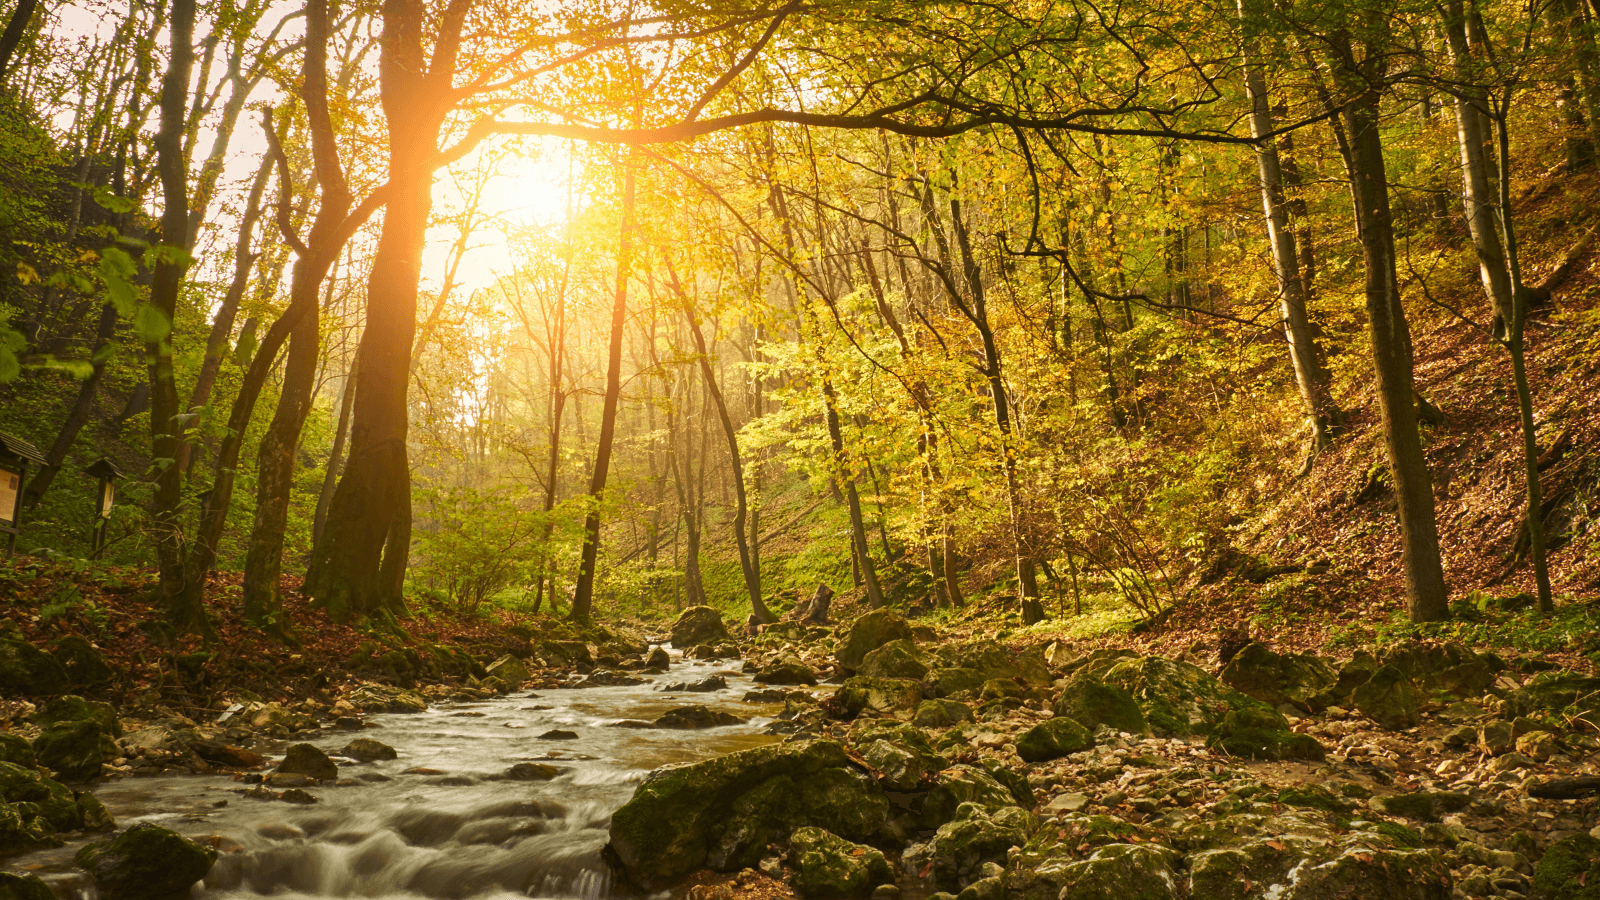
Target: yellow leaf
(26, 273)
(89, 256)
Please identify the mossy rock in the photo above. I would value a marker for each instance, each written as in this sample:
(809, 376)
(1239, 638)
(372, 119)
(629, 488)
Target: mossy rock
(72, 708)
(1262, 733)
(1122, 872)
(1448, 668)
(897, 697)
(963, 784)
(941, 713)
(49, 799)
(949, 681)
(698, 625)
(1015, 782)
(1397, 835)
(508, 669)
(974, 836)
(25, 670)
(993, 660)
(725, 810)
(1389, 698)
(24, 887)
(146, 862)
(1053, 739)
(866, 634)
(1276, 679)
(1360, 871)
(1569, 870)
(1241, 872)
(1177, 698)
(1315, 796)
(896, 659)
(70, 749)
(16, 749)
(1092, 703)
(85, 666)
(828, 866)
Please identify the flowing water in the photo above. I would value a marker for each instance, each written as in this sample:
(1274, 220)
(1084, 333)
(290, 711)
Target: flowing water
(465, 833)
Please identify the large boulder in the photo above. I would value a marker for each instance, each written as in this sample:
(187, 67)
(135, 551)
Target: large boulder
(1389, 698)
(723, 812)
(1569, 870)
(27, 670)
(1360, 871)
(307, 760)
(1092, 703)
(72, 708)
(508, 669)
(900, 753)
(828, 866)
(70, 749)
(367, 750)
(866, 634)
(85, 666)
(964, 784)
(1122, 872)
(698, 625)
(1177, 698)
(33, 809)
(1053, 739)
(1276, 679)
(24, 887)
(945, 682)
(1443, 668)
(688, 718)
(941, 714)
(975, 836)
(1258, 732)
(1560, 691)
(897, 697)
(896, 659)
(993, 660)
(146, 862)
(16, 749)
(786, 671)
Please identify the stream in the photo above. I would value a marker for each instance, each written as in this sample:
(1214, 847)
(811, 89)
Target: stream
(460, 831)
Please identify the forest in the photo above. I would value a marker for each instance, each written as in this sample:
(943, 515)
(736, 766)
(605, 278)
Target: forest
(1045, 419)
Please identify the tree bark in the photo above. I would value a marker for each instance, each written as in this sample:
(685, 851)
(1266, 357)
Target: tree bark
(15, 29)
(1310, 375)
(39, 485)
(1390, 336)
(583, 596)
(330, 478)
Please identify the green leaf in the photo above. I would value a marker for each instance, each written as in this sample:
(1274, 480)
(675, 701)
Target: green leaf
(10, 366)
(167, 254)
(151, 324)
(118, 272)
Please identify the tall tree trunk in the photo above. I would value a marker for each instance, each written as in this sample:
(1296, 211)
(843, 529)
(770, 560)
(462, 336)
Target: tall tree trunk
(583, 596)
(358, 568)
(858, 528)
(1294, 297)
(182, 603)
(15, 29)
(747, 560)
(1390, 336)
(1029, 605)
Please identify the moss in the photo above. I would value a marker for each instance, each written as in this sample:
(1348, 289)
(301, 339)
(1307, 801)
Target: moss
(1399, 834)
(1570, 870)
(1314, 796)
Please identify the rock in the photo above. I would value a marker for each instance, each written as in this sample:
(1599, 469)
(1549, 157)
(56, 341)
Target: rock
(307, 760)
(723, 812)
(941, 714)
(944, 682)
(901, 754)
(566, 653)
(789, 671)
(71, 750)
(1497, 738)
(93, 813)
(39, 805)
(1444, 668)
(1538, 745)
(1066, 803)
(1389, 698)
(15, 749)
(1261, 733)
(963, 784)
(1053, 739)
(692, 717)
(703, 686)
(659, 658)
(1352, 675)
(1177, 698)
(297, 796)
(609, 678)
(993, 660)
(377, 698)
(72, 708)
(1569, 870)
(84, 665)
(146, 862)
(1424, 806)
(1276, 679)
(24, 887)
(1015, 782)
(25, 670)
(558, 734)
(1092, 703)
(897, 697)
(866, 634)
(1361, 871)
(698, 625)
(896, 659)
(227, 756)
(828, 866)
(509, 670)
(1561, 691)
(367, 750)
(1121, 872)
(526, 771)
(975, 836)
(289, 779)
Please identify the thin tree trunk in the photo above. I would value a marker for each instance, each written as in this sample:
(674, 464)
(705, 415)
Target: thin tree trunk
(583, 596)
(1294, 298)
(330, 478)
(39, 485)
(15, 29)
